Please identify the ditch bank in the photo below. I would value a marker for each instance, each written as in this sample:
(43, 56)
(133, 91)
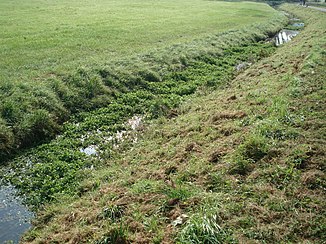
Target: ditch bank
(244, 161)
(58, 167)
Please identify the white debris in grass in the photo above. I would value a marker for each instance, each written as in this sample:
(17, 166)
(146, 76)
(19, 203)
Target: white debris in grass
(120, 135)
(180, 220)
(135, 122)
(90, 150)
(132, 125)
(242, 66)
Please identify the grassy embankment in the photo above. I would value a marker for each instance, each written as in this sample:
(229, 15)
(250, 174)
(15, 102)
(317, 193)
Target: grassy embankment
(245, 163)
(59, 58)
(148, 84)
(316, 4)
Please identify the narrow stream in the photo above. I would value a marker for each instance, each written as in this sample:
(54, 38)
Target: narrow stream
(285, 36)
(289, 32)
(15, 218)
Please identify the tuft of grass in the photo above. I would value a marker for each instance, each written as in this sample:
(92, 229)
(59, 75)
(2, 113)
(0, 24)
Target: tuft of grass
(113, 212)
(35, 127)
(273, 129)
(217, 182)
(144, 186)
(254, 148)
(204, 229)
(118, 234)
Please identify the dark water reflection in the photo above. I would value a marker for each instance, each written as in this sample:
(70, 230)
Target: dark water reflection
(14, 216)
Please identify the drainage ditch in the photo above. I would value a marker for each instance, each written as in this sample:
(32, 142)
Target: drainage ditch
(15, 218)
(289, 32)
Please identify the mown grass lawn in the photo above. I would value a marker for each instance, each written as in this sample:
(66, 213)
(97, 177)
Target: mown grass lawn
(39, 37)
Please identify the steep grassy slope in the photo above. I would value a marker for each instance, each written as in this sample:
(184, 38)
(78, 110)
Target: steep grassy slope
(242, 164)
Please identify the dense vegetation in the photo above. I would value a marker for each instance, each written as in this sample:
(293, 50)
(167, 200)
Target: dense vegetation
(103, 98)
(78, 57)
(244, 163)
(54, 167)
(222, 155)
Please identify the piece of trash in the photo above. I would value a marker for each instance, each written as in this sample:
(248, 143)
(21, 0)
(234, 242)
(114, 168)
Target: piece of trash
(242, 66)
(135, 122)
(180, 220)
(90, 150)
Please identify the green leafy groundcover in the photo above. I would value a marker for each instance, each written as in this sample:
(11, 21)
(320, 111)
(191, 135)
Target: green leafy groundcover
(55, 167)
(104, 98)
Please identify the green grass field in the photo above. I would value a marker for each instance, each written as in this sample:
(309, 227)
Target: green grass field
(41, 37)
(59, 58)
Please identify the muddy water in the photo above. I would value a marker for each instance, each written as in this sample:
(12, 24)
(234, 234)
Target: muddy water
(14, 216)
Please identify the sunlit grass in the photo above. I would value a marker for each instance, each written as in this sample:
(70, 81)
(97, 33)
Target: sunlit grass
(39, 37)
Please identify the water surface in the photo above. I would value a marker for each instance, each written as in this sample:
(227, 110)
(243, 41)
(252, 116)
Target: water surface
(15, 218)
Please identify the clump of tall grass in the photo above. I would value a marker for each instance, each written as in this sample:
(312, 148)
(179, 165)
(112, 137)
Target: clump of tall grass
(204, 228)
(118, 234)
(254, 148)
(6, 138)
